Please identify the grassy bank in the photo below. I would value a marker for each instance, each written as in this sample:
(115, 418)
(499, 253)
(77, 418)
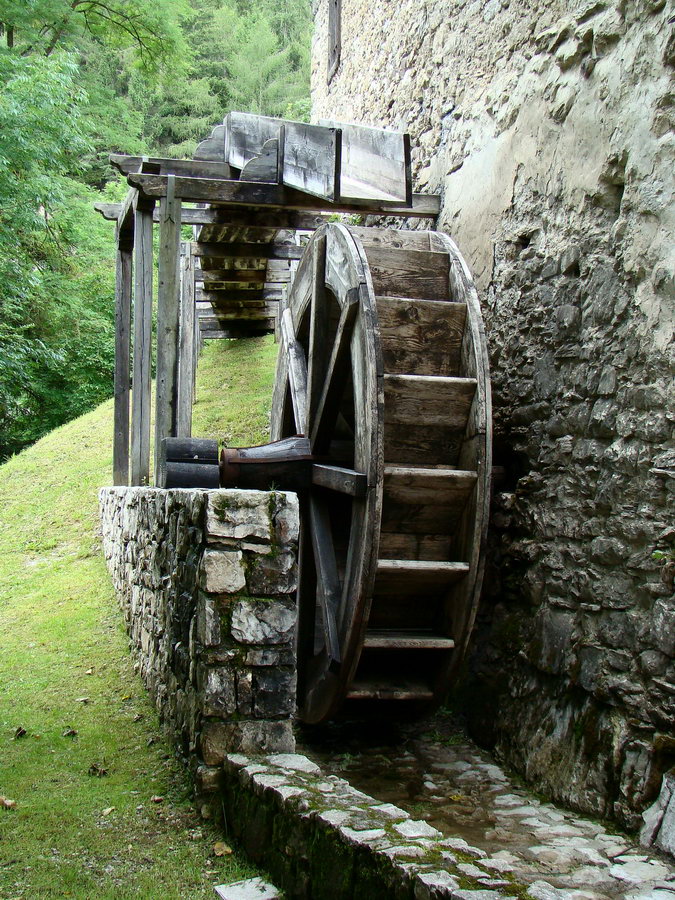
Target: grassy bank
(102, 807)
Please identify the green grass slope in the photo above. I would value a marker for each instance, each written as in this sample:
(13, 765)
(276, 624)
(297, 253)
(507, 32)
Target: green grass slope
(102, 806)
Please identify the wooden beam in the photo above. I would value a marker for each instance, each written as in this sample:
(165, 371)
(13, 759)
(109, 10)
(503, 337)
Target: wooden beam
(186, 352)
(216, 249)
(122, 379)
(264, 219)
(125, 216)
(157, 165)
(140, 410)
(168, 315)
(246, 193)
(336, 478)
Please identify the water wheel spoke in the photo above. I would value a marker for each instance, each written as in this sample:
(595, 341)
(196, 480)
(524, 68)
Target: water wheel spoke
(297, 372)
(318, 327)
(328, 408)
(338, 478)
(329, 589)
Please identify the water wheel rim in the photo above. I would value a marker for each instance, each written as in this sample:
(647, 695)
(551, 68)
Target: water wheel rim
(332, 302)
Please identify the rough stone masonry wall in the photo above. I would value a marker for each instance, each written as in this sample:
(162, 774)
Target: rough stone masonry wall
(206, 580)
(548, 129)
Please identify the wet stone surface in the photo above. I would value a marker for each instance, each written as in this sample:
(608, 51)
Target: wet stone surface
(438, 775)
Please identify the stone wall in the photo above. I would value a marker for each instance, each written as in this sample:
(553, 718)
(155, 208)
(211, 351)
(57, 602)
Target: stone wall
(548, 130)
(206, 581)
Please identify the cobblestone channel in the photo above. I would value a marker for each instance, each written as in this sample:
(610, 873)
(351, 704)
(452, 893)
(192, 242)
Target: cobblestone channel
(437, 774)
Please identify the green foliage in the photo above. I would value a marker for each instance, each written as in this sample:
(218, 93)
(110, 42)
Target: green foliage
(82, 79)
(259, 75)
(149, 28)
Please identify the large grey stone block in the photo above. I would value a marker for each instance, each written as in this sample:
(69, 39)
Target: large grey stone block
(263, 621)
(222, 571)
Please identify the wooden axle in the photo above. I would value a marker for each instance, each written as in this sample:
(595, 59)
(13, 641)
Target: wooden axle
(286, 465)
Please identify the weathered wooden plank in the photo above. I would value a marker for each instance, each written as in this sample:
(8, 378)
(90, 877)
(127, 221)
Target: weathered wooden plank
(386, 639)
(231, 276)
(391, 237)
(434, 400)
(404, 575)
(264, 167)
(416, 274)
(168, 316)
(421, 337)
(397, 545)
(329, 589)
(125, 216)
(297, 372)
(401, 688)
(423, 517)
(122, 380)
(236, 326)
(224, 303)
(214, 147)
(186, 349)
(429, 487)
(336, 478)
(141, 398)
(311, 275)
(252, 293)
(230, 223)
(476, 451)
(423, 445)
(374, 162)
(235, 332)
(246, 193)
(156, 165)
(248, 250)
(214, 216)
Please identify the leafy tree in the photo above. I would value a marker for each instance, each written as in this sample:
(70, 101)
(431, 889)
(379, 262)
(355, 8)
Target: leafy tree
(82, 78)
(150, 27)
(259, 74)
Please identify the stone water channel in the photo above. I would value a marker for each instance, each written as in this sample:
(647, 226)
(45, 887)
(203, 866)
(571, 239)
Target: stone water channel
(436, 773)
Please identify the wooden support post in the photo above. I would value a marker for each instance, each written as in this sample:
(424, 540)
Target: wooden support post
(186, 348)
(122, 382)
(168, 312)
(140, 410)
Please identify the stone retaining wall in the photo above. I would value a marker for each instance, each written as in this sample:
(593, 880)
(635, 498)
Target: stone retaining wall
(206, 580)
(548, 129)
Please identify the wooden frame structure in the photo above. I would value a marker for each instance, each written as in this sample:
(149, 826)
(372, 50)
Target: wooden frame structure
(252, 186)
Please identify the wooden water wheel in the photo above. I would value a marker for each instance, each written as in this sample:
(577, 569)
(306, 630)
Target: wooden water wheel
(384, 368)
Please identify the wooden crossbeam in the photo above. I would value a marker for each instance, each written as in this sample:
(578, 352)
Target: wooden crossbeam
(246, 193)
(158, 165)
(224, 249)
